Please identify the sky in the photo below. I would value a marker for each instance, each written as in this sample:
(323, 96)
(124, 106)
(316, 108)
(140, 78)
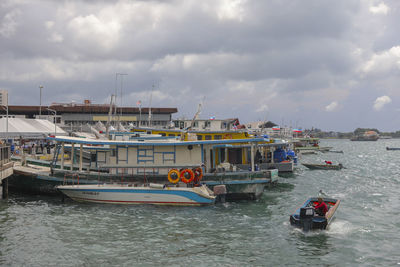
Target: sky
(332, 65)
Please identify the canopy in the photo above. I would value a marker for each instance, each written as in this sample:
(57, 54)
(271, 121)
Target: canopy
(28, 128)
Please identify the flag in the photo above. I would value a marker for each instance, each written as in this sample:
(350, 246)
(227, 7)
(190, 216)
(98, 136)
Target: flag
(139, 103)
(212, 118)
(276, 128)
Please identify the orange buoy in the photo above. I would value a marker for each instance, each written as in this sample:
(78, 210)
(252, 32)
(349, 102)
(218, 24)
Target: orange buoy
(173, 172)
(183, 177)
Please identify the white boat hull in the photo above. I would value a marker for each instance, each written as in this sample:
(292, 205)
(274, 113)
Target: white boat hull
(123, 194)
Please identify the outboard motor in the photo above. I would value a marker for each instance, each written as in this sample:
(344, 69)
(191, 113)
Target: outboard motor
(306, 218)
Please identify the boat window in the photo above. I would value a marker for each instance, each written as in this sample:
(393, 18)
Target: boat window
(207, 137)
(171, 135)
(217, 137)
(163, 134)
(199, 137)
(207, 124)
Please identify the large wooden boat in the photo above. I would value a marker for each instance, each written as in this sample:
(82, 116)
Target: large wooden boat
(306, 218)
(156, 194)
(323, 166)
(150, 161)
(308, 144)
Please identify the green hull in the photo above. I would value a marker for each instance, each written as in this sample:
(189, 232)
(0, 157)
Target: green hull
(323, 166)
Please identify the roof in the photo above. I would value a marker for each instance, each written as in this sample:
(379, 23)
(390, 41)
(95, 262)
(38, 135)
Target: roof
(28, 128)
(164, 142)
(81, 108)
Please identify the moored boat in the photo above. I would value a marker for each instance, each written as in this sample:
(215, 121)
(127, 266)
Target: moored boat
(156, 194)
(312, 166)
(150, 161)
(306, 218)
(336, 151)
(392, 148)
(305, 152)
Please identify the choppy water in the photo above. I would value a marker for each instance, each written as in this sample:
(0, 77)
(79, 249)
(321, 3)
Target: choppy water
(42, 231)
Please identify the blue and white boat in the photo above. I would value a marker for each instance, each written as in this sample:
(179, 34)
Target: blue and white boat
(156, 194)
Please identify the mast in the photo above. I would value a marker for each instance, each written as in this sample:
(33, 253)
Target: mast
(151, 96)
(195, 116)
(109, 117)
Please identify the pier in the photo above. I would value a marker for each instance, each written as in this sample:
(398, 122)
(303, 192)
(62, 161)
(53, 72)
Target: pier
(6, 168)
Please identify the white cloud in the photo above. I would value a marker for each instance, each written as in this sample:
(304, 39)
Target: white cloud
(262, 108)
(379, 9)
(332, 106)
(56, 38)
(381, 101)
(231, 9)
(93, 29)
(9, 24)
(49, 24)
(384, 61)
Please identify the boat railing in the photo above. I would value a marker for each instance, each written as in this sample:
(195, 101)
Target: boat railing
(74, 178)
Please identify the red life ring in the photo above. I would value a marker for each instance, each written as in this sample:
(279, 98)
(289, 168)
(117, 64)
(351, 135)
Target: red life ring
(198, 174)
(184, 179)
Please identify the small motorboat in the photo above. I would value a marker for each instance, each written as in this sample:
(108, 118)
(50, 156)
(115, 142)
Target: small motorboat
(156, 194)
(306, 218)
(308, 152)
(392, 148)
(325, 166)
(336, 151)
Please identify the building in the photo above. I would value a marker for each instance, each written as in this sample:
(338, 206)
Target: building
(211, 124)
(71, 115)
(3, 97)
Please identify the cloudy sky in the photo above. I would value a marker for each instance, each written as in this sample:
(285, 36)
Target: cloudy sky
(334, 65)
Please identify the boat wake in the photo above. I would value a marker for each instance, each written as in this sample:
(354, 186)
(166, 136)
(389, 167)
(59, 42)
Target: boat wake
(340, 227)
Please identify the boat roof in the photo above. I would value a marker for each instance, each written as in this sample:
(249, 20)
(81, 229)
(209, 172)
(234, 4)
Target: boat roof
(175, 130)
(161, 142)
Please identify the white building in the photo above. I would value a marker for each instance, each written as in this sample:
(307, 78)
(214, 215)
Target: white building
(207, 124)
(3, 98)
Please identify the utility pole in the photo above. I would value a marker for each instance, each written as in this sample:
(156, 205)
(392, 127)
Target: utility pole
(40, 107)
(120, 108)
(55, 120)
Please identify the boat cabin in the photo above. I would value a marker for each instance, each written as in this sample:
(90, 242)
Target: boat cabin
(157, 155)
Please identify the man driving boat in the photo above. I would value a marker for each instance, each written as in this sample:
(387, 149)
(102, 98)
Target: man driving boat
(321, 208)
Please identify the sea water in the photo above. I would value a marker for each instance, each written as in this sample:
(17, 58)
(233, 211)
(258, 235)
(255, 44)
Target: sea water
(43, 231)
